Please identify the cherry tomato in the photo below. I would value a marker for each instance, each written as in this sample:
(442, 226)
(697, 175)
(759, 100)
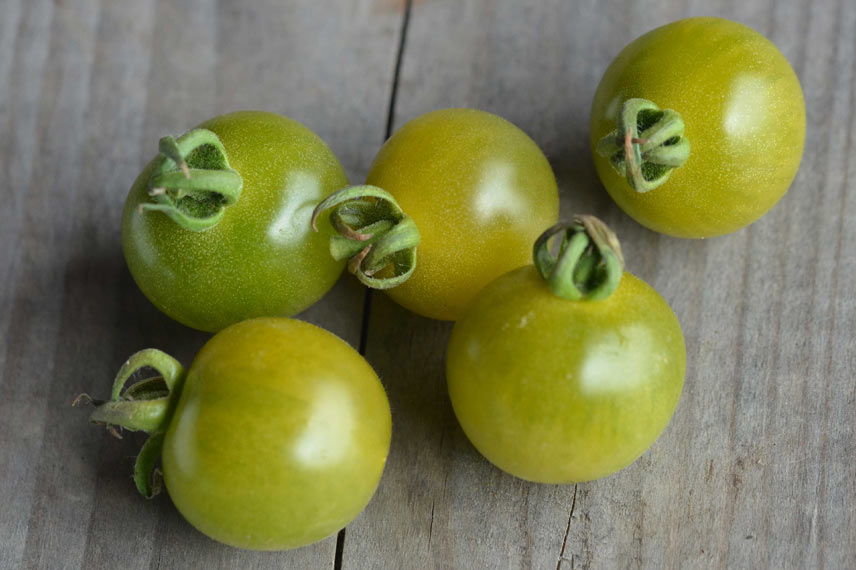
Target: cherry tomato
(479, 190)
(261, 258)
(278, 438)
(743, 123)
(556, 390)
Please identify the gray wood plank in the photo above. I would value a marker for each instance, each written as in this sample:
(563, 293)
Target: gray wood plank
(18, 117)
(755, 470)
(836, 521)
(237, 49)
(92, 86)
(9, 26)
(58, 533)
(34, 323)
(121, 108)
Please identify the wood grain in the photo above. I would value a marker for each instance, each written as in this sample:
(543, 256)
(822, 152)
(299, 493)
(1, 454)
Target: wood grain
(756, 469)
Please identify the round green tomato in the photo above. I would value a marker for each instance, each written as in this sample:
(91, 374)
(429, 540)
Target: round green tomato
(559, 391)
(279, 436)
(262, 258)
(480, 191)
(744, 118)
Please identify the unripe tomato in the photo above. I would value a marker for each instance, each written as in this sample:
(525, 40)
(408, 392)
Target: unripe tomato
(279, 438)
(479, 190)
(743, 126)
(556, 390)
(261, 258)
(274, 438)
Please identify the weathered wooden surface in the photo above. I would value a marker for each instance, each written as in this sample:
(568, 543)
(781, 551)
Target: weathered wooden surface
(756, 469)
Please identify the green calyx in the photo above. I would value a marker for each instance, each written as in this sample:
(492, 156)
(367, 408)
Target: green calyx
(373, 233)
(192, 182)
(144, 406)
(648, 144)
(589, 264)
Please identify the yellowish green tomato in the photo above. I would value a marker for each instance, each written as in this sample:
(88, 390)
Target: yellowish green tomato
(276, 437)
(245, 256)
(479, 190)
(743, 127)
(556, 390)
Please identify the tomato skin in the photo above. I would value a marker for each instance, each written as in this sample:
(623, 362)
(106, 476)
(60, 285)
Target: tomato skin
(262, 258)
(279, 437)
(744, 113)
(480, 191)
(558, 391)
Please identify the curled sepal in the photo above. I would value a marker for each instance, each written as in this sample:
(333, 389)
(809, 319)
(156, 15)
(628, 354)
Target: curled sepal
(648, 144)
(170, 370)
(146, 406)
(589, 263)
(192, 182)
(149, 479)
(373, 233)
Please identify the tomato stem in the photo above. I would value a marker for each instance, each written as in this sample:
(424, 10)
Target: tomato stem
(373, 233)
(192, 182)
(589, 263)
(144, 406)
(648, 144)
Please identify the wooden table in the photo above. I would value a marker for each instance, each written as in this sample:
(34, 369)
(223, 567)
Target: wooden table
(755, 471)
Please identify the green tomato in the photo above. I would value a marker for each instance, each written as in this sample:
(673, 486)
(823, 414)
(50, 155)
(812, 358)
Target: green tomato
(262, 258)
(479, 190)
(744, 119)
(279, 437)
(559, 391)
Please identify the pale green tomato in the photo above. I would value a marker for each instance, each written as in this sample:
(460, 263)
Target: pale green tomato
(559, 391)
(744, 118)
(279, 437)
(262, 258)
(480, 191)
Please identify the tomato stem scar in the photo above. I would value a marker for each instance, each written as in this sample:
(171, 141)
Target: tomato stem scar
(192, 182)
(589, 263)
(647, 145)
(373, 233)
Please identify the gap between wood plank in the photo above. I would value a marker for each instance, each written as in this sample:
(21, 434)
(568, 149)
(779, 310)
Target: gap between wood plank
(367, 299)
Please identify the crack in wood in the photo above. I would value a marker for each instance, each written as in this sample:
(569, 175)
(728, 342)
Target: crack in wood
(567, 532)
(431, 526)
